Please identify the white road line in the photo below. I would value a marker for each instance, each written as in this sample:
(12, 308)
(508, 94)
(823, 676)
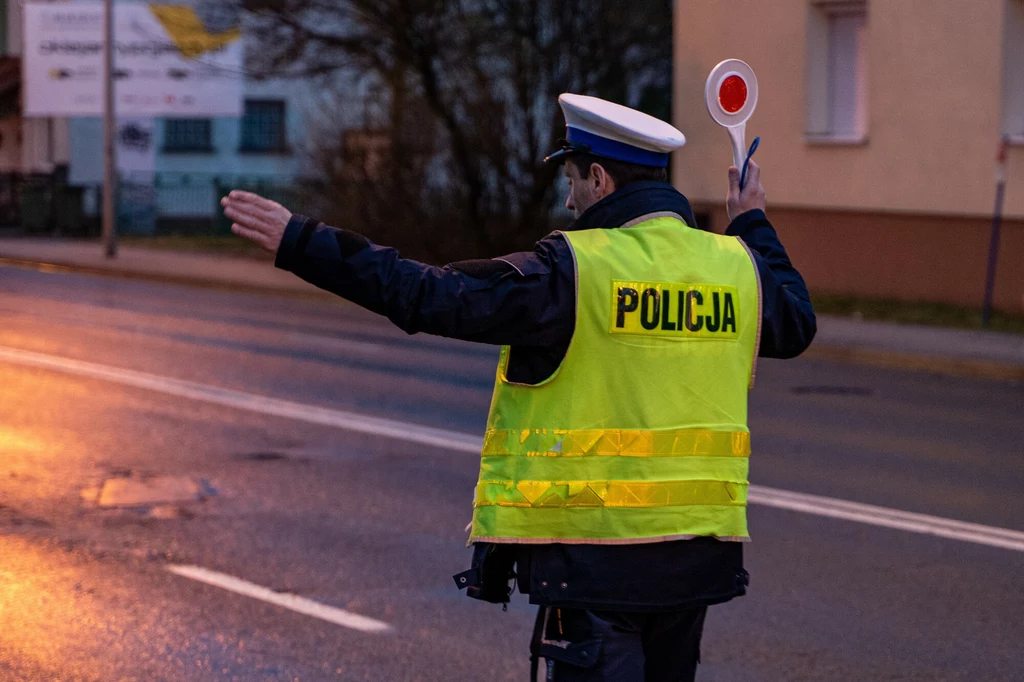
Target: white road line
(888, 518)
(415, 433)
(455, 441)
(285, 600)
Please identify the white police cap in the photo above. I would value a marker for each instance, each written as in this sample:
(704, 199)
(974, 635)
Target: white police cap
(603, 128)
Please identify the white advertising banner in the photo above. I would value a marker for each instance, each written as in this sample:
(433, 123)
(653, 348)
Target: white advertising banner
(167, 62)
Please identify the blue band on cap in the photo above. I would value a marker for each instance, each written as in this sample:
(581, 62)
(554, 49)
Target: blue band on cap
(620, 151)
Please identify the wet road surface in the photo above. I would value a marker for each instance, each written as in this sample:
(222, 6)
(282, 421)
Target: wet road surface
(373, 526)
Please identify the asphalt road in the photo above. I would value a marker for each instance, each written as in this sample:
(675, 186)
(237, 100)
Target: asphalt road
(374, 525)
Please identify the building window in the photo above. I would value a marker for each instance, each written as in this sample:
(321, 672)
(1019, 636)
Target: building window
(263, 126)
(837, 93)
(188, 135)
(1013, 72)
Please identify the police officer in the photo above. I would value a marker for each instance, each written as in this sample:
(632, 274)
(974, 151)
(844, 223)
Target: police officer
(613, 478)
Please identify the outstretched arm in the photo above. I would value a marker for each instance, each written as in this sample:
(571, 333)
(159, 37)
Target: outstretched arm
(519, 299)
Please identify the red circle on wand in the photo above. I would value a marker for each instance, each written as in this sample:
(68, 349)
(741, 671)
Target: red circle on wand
(732, 94)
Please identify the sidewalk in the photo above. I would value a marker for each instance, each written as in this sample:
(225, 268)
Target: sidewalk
(162, 265)
(935, 349)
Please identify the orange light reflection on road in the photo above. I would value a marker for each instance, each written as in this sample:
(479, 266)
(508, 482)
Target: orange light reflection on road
(30, 446)
(11, 441)
(46, 616)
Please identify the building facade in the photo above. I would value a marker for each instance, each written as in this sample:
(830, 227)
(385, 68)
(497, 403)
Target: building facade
(29, 146)
(187, 163)
(880, 122)
(193, 160)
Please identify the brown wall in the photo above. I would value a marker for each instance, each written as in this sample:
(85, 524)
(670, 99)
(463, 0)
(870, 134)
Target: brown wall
(906, 257)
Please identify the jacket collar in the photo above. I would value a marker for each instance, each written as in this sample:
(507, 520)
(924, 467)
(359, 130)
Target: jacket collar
(633, 201)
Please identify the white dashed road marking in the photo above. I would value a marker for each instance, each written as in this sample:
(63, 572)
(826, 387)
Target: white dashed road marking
(292, 602)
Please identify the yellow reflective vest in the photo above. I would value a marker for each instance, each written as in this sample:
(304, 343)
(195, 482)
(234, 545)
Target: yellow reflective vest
(641, 433)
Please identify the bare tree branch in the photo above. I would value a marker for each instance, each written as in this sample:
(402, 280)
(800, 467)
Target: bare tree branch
(483, 77)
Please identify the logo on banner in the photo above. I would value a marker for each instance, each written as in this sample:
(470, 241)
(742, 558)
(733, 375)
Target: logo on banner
(133, 136)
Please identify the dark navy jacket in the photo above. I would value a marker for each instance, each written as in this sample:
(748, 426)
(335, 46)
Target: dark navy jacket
(527, 300)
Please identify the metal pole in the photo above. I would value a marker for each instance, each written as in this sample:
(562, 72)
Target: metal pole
(993, 244)
(109, 132)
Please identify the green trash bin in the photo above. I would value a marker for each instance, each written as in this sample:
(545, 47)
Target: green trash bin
(221, 224)
(69, 216)
(36, 207)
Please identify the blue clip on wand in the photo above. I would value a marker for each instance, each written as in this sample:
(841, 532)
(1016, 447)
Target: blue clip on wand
(746, 162)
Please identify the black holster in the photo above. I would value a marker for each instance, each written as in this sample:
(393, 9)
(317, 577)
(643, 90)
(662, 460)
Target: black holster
(492, 573)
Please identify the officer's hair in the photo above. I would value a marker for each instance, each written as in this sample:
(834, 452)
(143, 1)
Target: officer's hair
(621, 173)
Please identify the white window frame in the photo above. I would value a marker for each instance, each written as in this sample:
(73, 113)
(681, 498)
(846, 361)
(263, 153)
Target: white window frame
(1012, 122)
(821, 93)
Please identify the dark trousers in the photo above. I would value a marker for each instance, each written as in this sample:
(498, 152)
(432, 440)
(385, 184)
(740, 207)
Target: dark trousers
(613, 646)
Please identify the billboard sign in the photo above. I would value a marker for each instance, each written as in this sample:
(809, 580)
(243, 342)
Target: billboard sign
(167, 62)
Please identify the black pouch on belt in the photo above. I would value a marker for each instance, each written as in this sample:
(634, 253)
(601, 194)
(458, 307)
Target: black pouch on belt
(491, 574)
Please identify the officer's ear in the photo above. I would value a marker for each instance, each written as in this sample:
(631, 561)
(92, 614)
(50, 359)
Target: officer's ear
(600, 180)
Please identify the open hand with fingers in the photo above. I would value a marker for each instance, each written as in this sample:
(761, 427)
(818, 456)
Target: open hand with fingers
(258, 219)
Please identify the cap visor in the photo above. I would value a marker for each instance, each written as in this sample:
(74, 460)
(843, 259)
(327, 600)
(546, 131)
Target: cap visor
(560, 156)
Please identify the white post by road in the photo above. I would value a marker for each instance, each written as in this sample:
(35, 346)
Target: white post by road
(109, 130)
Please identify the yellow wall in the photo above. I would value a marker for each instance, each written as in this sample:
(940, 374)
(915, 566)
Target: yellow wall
(934, 107)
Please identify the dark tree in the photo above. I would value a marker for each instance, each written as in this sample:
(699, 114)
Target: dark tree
(452, 163)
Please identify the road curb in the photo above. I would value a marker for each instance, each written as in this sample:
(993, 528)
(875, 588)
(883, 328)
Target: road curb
(936, 364)
(162, 278)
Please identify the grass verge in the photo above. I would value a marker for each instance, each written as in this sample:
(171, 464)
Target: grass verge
(915, 312)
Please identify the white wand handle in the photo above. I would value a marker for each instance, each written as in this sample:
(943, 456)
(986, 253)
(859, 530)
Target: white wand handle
(738, 136)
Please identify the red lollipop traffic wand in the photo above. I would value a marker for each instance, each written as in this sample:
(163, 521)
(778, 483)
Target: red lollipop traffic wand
(730, 94)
